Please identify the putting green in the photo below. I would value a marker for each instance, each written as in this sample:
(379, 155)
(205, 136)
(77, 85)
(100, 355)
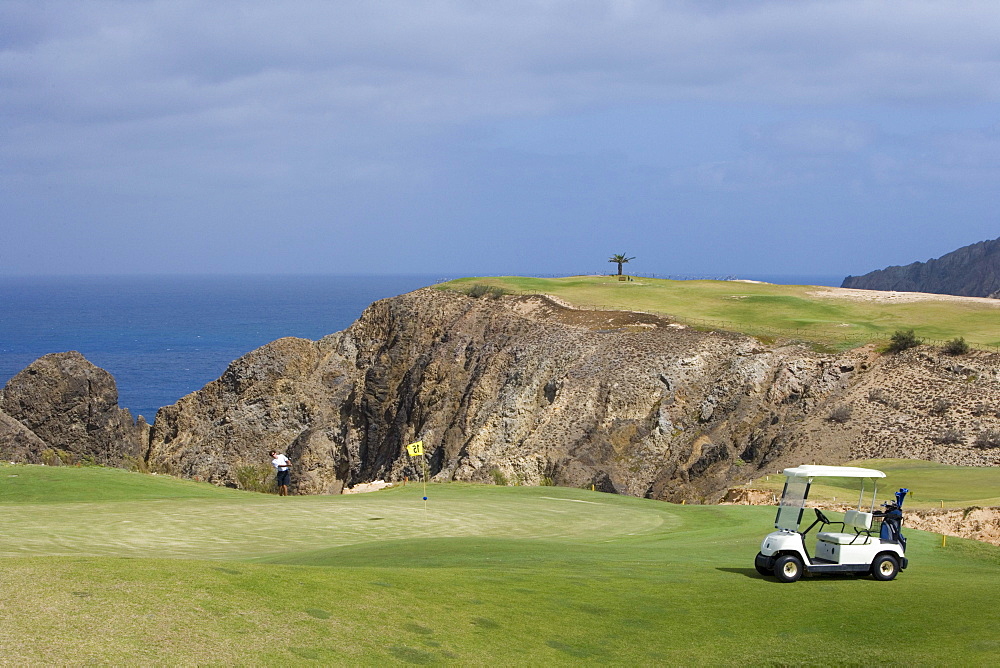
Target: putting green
(243, 526)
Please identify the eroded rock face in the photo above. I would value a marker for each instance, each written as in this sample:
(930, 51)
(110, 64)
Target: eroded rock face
(286, 396)
(517, 389)
(69, 405)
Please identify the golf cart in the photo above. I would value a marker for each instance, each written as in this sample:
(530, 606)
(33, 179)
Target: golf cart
(859, 547)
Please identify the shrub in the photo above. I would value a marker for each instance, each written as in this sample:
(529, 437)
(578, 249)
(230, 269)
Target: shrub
(981, 409)
(480, 290)
(880, 396)
(988, 438)
(256, 478)
(841, 414)
(940, 406)
(137, 464)
(498, 477)
(948, 435)
(903, 340)
(956, 346)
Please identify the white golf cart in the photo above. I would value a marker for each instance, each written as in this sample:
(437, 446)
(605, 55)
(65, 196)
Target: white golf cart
(859, 547)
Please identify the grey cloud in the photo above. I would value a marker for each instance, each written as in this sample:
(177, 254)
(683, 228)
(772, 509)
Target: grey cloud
(401, 58)
(441, 121)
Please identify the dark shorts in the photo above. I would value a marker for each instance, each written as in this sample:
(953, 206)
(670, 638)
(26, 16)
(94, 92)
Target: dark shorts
(284, 477)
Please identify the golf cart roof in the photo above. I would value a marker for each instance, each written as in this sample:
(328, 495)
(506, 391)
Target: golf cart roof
(812, 471)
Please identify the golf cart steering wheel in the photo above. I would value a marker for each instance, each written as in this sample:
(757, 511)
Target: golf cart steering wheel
(821, 517)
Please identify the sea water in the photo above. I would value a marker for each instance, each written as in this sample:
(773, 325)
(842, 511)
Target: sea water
(164, 337)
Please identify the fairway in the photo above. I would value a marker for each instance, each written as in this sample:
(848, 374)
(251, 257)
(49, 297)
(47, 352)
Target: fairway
(171, 573)
(835, 319)
(931, 485)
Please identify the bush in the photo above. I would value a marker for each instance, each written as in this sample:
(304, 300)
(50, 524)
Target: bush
(981, 409)
(480, 290)
(880, 396)
(136, 464)
(948, 435)
(956, 346)
(498, 477)
(940, 406)
(903, 340)
(988, 438)
(256, 478)
(58, 457)
(841, 414)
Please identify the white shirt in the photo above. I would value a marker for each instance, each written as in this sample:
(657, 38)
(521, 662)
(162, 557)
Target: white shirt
(280, 462)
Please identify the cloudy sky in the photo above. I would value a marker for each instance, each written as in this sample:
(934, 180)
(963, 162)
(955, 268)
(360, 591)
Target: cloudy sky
(484, 137)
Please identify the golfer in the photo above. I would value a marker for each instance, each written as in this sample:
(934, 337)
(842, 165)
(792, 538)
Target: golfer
(282, 465)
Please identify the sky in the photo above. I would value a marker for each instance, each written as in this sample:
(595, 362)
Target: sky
(705, 137)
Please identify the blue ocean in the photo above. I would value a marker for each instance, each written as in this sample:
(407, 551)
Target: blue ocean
(164, 337)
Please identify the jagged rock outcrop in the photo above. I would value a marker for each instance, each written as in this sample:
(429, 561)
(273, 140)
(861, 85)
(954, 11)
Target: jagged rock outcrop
(523, 390)
(970, 271)
(287, 395)
(64, 404)
(517, 389)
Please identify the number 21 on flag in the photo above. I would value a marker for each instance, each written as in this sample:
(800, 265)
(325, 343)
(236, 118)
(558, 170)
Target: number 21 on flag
(415, 449)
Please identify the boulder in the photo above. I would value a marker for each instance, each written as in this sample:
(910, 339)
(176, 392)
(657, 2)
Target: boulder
(71, 406)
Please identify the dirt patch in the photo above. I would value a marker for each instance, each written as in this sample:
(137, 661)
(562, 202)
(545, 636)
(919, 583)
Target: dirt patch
(982, 524)
(742, 496)
(550, 307)
(373, 486)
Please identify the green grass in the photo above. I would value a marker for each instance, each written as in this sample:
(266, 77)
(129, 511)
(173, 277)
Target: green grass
(480, 575)
(931, 485)
(59, 484)
(764, 309)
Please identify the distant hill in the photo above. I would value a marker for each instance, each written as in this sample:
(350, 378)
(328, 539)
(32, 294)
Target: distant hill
(971, 271)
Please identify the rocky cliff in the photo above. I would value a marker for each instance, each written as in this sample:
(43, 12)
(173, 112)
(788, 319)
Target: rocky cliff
(63, 407)
(522, 390)
(971, 271)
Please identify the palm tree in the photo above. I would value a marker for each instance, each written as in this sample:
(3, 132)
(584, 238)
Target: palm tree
(620, 259)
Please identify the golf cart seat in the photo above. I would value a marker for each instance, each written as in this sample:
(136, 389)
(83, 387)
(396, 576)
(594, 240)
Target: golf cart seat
(859, 521)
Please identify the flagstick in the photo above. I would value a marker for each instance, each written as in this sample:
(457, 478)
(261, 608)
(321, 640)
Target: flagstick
(423, 459)
(417, 450)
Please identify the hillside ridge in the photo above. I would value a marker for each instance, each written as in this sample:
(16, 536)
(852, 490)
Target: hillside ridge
(971, 271)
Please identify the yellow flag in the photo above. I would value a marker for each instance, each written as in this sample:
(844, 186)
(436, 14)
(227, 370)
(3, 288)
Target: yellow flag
(415, 449)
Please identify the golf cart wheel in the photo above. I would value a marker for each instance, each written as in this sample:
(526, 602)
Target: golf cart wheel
(885, 567)
(788, 568)
(760, 563)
